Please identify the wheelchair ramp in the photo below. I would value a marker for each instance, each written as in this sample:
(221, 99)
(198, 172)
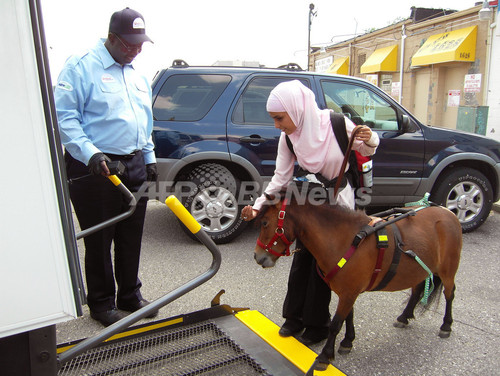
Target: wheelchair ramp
(193, 350)
(208, 342)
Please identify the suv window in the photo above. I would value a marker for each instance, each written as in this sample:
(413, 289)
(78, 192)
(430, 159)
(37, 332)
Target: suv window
(360, 104)
(251, 107)
(188, 97)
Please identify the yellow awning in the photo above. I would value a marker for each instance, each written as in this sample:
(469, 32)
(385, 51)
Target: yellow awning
(382, 60)
(456, 45)
(339, 66)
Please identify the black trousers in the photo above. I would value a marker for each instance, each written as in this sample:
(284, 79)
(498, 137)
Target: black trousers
(96, 199)
(308, 296)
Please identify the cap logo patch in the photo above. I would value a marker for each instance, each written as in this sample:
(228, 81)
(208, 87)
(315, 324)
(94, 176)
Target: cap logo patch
(138, 23)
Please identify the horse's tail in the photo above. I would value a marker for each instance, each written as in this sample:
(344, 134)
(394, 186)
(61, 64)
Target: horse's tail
(436, 292)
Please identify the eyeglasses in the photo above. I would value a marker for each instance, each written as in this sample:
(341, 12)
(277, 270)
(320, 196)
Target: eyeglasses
(128, 47)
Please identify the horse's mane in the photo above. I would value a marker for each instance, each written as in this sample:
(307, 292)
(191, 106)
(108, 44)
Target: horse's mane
(325, 210)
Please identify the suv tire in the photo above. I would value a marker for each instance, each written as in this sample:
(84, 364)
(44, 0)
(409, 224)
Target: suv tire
(468, 194)
(213, 203)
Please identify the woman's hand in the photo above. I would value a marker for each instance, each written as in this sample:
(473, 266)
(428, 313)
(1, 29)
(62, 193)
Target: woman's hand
(364, 134)
(248, 213)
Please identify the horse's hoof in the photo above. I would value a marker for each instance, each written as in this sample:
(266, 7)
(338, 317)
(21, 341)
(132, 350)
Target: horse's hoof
(344, 350)
(399, 324)
(444, 333)
(320, 366)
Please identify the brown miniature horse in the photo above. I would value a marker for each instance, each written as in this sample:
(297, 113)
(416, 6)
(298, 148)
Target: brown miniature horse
(434, 234)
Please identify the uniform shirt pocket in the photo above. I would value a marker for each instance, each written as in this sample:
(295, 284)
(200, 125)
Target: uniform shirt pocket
(143, 93)
(111, 93)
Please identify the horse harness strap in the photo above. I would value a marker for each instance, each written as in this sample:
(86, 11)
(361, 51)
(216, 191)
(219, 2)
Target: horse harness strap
(394, 264)
(337, 267)
(365, 231)
(382, 244)
(429, 283)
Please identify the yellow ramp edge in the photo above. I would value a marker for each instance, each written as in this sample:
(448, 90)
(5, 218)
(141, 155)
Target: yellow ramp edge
(298, 354)
(133, 331)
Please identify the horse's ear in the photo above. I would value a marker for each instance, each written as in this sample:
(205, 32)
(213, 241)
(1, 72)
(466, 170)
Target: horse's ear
(272, 199)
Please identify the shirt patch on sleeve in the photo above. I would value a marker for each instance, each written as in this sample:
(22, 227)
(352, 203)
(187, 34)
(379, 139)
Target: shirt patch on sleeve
(64, 86)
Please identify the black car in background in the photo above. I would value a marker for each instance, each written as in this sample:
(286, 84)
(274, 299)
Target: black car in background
(215, 141)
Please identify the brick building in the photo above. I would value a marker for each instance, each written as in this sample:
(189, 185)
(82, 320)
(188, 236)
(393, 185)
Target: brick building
(436, 63)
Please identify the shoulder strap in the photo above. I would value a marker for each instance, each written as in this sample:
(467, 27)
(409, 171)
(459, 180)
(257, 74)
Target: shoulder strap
(340, 131)
(338, 125)
(289, 144)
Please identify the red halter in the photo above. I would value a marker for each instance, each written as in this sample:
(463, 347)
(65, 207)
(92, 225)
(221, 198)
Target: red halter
(279, 233)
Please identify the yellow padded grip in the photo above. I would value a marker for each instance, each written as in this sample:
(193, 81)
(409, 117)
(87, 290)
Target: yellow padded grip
(181, 212)
(115, 180)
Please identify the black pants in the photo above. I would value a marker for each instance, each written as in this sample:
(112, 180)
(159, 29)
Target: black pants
(308, 296)
(96, 199)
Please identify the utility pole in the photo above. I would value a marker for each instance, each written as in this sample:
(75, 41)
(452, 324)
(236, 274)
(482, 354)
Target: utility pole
(311, 15)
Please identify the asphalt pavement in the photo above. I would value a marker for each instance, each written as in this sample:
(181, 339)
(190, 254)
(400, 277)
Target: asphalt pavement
(170, 258)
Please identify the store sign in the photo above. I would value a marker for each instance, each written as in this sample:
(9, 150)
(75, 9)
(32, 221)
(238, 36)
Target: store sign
(372, 78)
(395, 89)
(472, 83)
(321, 65)
(453, 98)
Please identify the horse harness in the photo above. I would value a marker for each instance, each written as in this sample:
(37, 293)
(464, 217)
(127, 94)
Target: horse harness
(382, 243)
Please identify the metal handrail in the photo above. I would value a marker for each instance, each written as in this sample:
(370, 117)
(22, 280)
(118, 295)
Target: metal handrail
(188, 220)
(132, 205)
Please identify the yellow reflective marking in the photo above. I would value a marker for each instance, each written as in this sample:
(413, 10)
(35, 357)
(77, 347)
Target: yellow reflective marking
(132, 332)
(342, 262)
(383, 238)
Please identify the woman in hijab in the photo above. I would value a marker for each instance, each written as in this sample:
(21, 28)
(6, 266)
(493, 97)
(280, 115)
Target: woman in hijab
(294, 110)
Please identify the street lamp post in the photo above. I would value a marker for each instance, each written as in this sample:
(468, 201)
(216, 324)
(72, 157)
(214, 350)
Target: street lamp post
(311, 15)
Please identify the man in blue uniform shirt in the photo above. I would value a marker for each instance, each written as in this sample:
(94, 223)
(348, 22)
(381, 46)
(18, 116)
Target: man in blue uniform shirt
(104, 111)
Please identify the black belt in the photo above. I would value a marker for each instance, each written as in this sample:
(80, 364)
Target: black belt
(125, 156)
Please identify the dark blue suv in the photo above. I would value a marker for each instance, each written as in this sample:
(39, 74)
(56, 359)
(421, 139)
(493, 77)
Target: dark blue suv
(216, 144)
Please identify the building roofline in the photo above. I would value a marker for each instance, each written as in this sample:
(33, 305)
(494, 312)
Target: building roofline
(409, 25)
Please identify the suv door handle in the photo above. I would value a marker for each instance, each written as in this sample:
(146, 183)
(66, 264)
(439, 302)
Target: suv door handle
(253, 139)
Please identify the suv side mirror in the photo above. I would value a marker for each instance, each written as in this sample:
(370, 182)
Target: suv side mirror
(406, 125)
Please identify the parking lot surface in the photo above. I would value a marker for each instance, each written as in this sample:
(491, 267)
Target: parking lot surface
(170, 258)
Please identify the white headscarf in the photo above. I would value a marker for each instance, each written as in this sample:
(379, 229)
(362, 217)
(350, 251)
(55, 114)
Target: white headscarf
(313, 134)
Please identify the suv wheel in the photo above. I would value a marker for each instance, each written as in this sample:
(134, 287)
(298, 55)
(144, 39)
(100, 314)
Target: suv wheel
(213, 202)
(468, 194)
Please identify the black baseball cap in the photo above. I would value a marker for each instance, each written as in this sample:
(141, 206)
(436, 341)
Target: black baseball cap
(129, 25)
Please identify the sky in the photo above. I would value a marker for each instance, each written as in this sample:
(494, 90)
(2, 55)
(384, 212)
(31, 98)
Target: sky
(202, 32)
